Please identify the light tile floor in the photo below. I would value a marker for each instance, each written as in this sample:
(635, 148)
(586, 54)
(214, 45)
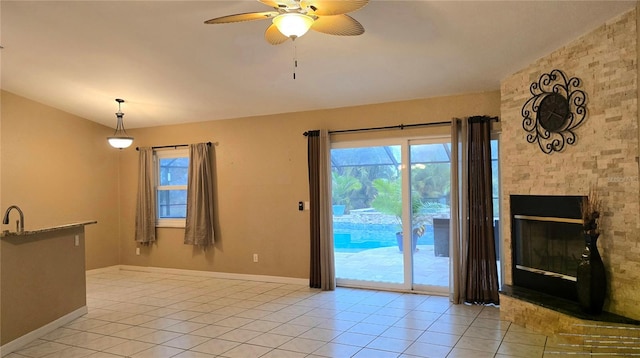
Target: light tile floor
(154, 315)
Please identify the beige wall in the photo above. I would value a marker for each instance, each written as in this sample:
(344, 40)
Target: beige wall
(260, 169)
(605, 154)
(59, 169)
(261, 174)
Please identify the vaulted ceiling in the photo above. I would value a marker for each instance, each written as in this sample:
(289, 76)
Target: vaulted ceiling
(170, 67)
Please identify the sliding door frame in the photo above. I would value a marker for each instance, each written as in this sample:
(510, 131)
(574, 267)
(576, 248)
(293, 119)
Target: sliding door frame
(405, 144)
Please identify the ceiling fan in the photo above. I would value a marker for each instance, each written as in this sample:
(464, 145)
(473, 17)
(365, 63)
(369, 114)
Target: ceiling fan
(293, 18)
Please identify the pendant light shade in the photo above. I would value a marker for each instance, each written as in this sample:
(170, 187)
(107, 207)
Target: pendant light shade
(120, 138)
(293, 24)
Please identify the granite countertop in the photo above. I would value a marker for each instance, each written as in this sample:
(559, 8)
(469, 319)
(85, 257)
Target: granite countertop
(7, 233)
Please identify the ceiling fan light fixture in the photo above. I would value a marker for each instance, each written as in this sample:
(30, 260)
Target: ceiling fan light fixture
(293, 24)
(120, 138)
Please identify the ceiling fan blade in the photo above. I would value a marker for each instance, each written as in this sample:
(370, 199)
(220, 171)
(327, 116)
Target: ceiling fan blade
(341, 25)
(249, 16)
(332, 7)
(274, 36)
(271, 3)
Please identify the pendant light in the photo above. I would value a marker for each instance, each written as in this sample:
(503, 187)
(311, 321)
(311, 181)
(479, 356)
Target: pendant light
(120, 138)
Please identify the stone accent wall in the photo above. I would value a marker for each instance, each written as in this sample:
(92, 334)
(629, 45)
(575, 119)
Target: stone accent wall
(605, 154)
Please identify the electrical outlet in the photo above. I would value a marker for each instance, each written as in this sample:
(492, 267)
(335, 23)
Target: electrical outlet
(77, 240)
(255, 257)
(137, 251)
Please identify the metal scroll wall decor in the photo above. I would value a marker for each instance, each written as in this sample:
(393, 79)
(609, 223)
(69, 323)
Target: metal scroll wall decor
(554, 111)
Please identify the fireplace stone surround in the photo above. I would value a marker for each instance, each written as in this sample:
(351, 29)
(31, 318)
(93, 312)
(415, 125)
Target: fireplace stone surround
(547, 242)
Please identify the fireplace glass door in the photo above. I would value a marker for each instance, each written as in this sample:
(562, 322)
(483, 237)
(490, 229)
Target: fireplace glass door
(549, 246)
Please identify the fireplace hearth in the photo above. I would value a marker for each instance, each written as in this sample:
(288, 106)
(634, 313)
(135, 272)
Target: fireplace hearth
(557, 304)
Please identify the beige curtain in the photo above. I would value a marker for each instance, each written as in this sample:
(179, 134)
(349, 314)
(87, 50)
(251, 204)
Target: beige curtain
(459, 225)
(146, 200)
(199, 223)
(322, 269)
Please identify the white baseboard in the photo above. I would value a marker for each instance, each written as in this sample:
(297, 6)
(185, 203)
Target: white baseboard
(103, 270)
(212, 274)
(40, 332)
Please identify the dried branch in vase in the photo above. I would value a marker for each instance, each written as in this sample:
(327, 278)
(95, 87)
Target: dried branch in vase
(591, 207)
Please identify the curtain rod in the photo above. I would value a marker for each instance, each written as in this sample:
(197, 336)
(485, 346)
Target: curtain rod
(171, 146)
(399, 126)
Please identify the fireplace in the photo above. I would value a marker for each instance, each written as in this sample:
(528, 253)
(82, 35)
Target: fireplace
(547, 241)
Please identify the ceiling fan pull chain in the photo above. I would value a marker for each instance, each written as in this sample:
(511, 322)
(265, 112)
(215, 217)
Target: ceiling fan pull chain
(295, 59)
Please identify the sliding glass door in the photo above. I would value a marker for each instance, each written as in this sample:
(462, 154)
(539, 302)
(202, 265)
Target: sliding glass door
(388, 198)
(430, 173)
(367, 214)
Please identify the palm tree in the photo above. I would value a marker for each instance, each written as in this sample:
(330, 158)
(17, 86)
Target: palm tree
(341, 188)
(388, 200)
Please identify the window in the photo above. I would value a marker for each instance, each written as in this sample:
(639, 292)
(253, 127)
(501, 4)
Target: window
(172, 174)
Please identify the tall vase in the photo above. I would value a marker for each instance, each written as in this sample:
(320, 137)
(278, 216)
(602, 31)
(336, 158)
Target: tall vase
(591, 280)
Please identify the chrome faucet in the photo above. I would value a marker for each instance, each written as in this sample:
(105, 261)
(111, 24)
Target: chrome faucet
(19, 223)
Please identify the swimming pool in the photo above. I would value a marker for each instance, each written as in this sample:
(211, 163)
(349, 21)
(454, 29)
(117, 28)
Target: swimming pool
(355, 237)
